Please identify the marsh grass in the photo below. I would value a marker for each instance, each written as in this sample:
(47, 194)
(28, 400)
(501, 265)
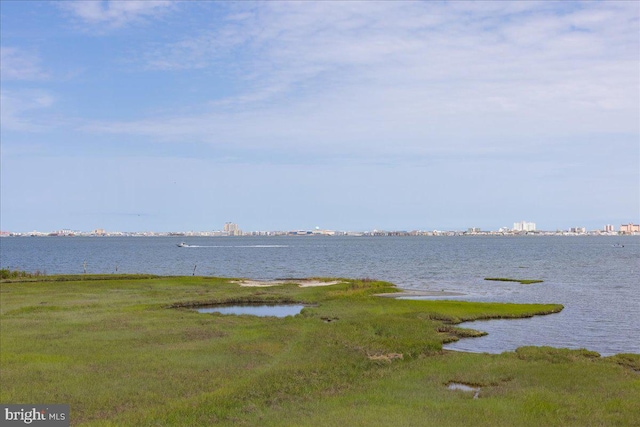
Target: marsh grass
(128, 351)
(9, 276)
(521, 281)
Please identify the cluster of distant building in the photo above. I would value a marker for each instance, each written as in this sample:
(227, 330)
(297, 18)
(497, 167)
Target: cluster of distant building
(232, 229)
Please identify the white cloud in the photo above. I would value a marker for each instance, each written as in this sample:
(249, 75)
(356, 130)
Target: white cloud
(16, 64)
(420, 77)
(20, 109)
(114, 13)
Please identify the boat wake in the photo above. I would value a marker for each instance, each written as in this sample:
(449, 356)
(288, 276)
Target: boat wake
(235, 246)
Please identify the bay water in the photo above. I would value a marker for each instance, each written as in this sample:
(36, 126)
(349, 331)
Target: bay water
(596, 278)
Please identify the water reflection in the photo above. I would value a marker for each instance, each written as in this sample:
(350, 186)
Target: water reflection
(262, 310)
(465, 387)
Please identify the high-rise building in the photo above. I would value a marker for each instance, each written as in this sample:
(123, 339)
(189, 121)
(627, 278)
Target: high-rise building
(232, 229)
(524, 226)
(609, 228)
(629, 228)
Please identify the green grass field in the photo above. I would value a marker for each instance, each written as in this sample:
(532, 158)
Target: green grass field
(126, 351)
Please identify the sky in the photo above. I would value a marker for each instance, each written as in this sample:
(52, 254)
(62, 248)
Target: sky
(178, 116)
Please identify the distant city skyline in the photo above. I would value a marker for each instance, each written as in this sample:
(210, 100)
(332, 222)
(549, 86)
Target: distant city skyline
(176, 115)
(233, 229)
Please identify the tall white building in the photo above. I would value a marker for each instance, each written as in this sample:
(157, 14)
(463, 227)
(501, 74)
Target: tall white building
(524, 226)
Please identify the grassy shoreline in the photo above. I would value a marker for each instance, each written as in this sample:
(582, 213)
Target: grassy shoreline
(521, 281)
(125, 350)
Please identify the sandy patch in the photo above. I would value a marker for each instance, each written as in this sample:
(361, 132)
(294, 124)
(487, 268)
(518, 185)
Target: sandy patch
(302, 283)
(309, 283)
(259, 283)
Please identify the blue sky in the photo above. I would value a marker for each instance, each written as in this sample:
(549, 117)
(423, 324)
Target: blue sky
(169, 115)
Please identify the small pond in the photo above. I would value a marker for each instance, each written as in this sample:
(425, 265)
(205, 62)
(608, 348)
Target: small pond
(262, 310)
(464, 387)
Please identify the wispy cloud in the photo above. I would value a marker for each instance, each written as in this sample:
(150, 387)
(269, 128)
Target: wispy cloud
(114, 13)
(21, 108)
(387, 77)
(17, 64)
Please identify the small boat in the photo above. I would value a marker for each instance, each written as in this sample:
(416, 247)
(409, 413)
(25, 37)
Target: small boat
(618, 245)
(182, 245)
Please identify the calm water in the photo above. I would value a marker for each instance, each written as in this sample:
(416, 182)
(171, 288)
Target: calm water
(595, 281)
(255, 310)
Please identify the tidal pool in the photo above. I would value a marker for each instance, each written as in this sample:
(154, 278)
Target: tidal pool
(464, 387)
(262, 310)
